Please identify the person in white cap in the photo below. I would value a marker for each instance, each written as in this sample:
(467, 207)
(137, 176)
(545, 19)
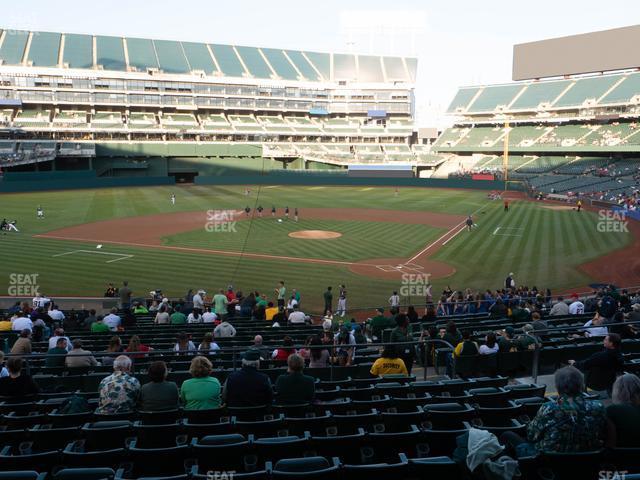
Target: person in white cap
(198, 300)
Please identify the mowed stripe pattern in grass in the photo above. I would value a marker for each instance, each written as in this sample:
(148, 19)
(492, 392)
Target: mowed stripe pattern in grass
(552, 245)
(542, 247)
(359, 240)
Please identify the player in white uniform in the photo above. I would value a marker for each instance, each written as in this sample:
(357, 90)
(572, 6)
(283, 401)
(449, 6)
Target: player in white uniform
(39, 212)
(173, 199)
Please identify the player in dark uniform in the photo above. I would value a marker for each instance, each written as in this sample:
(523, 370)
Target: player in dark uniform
(286, 212)
(259, 209)
(247, 210)
(295, 214)
(469, 222)
(273, 211)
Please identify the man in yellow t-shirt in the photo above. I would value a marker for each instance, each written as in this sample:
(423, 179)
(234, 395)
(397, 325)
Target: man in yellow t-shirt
(270, 311)
(389, 363)
(5, 325)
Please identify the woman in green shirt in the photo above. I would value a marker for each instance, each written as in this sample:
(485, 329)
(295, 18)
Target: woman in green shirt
(201, 392)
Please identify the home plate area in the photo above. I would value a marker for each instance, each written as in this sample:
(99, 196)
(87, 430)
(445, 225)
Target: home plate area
(403, 267)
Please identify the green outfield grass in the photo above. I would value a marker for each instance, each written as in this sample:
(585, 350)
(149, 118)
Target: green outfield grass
(359, 240)
(539, 245)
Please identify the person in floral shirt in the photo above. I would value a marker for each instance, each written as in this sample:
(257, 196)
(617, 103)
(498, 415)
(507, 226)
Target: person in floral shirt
(569, 424)
(119, 391)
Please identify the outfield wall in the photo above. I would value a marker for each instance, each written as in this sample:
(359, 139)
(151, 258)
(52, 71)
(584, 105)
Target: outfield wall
(48, 181)
(34, 181)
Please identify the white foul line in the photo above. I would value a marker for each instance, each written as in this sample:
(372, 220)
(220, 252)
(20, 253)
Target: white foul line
(122, 256)
(453, 236)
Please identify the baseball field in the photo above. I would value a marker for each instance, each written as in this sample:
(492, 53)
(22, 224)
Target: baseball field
(371, 239)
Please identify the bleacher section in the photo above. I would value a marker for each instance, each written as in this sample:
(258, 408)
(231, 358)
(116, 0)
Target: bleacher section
(359, 426)
(130, 90)
(142, 55)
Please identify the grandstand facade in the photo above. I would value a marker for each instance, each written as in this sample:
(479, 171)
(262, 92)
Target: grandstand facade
(574, 135)
(111, 104)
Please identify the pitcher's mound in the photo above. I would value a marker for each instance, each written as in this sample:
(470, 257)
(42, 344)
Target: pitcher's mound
(315, 234)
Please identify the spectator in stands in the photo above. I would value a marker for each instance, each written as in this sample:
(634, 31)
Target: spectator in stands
(220, 302)
(125, 296)
(224, 330)
(560, 308)
(56, 355)
(506, 342)
(177, 317)
(270, 312)
(601, 368)
(295, 387)
(139, 309)
(569, 424)
(112, 320)
(519, 314)
(452, 334)
(207, 345)
(118, 393)
(345, 344)
(158, 394)
(5, 324)
(55, 314)
(208, 316)
(248, 387)
(576, 307)
(538, 324)
(78, 357)
(90, 319)
(412, 314)
(490, 345)
(280, 317)
(202, 392)
(162, 316)
(22, 345)
(184, 344)
(296, 317)
(498, 309)
(527, 340)
(21, 322)
(99, 326)
(623, 415)
(258, 344)
(3, 370)
(135, 345)
(596, 327)
(194, 316)
(467, 346)
(379, 323)
(247, 305)
(17, 384)
(318, 357)
(198, 301)
(281, 354)
(389, 363)
(115, 346)
(402, 334)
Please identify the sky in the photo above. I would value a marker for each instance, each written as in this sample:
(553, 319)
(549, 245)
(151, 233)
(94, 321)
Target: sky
(457, 43)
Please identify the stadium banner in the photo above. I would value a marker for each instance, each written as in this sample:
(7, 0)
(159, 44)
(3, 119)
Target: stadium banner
(377, 113)
(483, 176)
